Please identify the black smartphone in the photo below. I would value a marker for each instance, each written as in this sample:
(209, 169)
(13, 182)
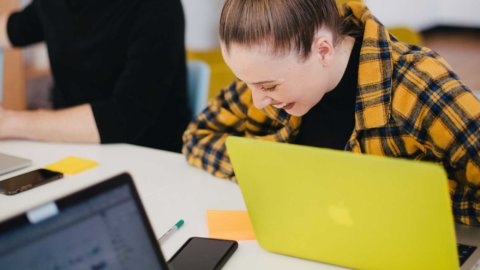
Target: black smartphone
(203, 254)
(26, 181)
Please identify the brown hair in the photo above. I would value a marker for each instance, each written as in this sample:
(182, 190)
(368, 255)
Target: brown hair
(283, 24)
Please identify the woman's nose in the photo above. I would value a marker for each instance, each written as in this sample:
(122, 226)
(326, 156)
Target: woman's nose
(260, 100)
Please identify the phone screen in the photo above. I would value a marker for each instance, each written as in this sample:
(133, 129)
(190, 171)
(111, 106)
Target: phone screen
(203, 254)
(28, 180)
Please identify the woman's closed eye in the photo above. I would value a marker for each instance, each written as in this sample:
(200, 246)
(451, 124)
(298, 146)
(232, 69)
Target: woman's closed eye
(269, 88)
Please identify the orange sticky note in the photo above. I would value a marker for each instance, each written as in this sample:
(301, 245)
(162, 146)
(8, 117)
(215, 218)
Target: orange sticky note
(71, 165)
(229, 224)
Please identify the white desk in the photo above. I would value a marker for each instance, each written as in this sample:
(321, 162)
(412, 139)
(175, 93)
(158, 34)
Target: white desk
(169, 188)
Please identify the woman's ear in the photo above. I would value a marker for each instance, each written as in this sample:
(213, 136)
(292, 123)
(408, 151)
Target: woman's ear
(323, 49)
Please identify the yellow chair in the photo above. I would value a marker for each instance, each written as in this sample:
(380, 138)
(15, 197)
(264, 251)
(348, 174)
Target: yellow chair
(407, 35)
(339, 2)
(220, 74)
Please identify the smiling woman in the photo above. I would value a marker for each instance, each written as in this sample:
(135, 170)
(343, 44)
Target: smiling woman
(314, 75)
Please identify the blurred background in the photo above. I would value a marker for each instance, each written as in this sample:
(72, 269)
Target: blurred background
(451, 28)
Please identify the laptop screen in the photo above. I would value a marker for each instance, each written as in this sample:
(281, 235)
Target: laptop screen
(98, 228)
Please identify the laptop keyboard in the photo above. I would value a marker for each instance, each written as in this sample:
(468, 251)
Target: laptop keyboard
(464, 252)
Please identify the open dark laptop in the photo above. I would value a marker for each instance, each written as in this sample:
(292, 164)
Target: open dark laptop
(101, 227)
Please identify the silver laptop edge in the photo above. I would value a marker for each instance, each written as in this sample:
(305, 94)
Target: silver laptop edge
(469, 235)
(10, 163)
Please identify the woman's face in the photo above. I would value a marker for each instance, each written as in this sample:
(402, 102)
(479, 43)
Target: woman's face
(283, 81)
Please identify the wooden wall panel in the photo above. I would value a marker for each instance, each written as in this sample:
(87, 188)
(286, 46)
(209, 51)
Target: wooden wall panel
(14, 79)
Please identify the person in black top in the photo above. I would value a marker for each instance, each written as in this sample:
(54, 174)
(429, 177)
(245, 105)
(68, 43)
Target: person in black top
(118, 68)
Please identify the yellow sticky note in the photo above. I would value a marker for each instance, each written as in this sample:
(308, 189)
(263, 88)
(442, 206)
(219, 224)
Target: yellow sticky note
(71, 165)
(228, 224)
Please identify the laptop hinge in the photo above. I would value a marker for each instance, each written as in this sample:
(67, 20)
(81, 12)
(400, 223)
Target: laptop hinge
(42, 212)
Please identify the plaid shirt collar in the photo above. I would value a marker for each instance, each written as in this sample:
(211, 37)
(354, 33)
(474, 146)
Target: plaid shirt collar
(373, 104)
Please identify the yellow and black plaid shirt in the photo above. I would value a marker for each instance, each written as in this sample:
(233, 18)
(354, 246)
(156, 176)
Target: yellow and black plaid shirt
(410, 105)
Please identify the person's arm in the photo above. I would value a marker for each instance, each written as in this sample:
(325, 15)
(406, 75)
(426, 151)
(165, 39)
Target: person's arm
(75, 124)
(444, 117)
(21, 28)
(232, 113)
(4, 40)
(204, 138)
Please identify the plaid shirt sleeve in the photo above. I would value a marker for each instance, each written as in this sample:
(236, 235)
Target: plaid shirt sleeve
(232, 113)
(444, 117)
(204, 138)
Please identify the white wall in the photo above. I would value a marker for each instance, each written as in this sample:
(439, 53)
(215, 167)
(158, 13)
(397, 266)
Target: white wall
(202, 17)
(422, 14)
(460, 13)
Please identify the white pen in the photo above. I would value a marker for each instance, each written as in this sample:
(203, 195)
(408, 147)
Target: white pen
(171, 230)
